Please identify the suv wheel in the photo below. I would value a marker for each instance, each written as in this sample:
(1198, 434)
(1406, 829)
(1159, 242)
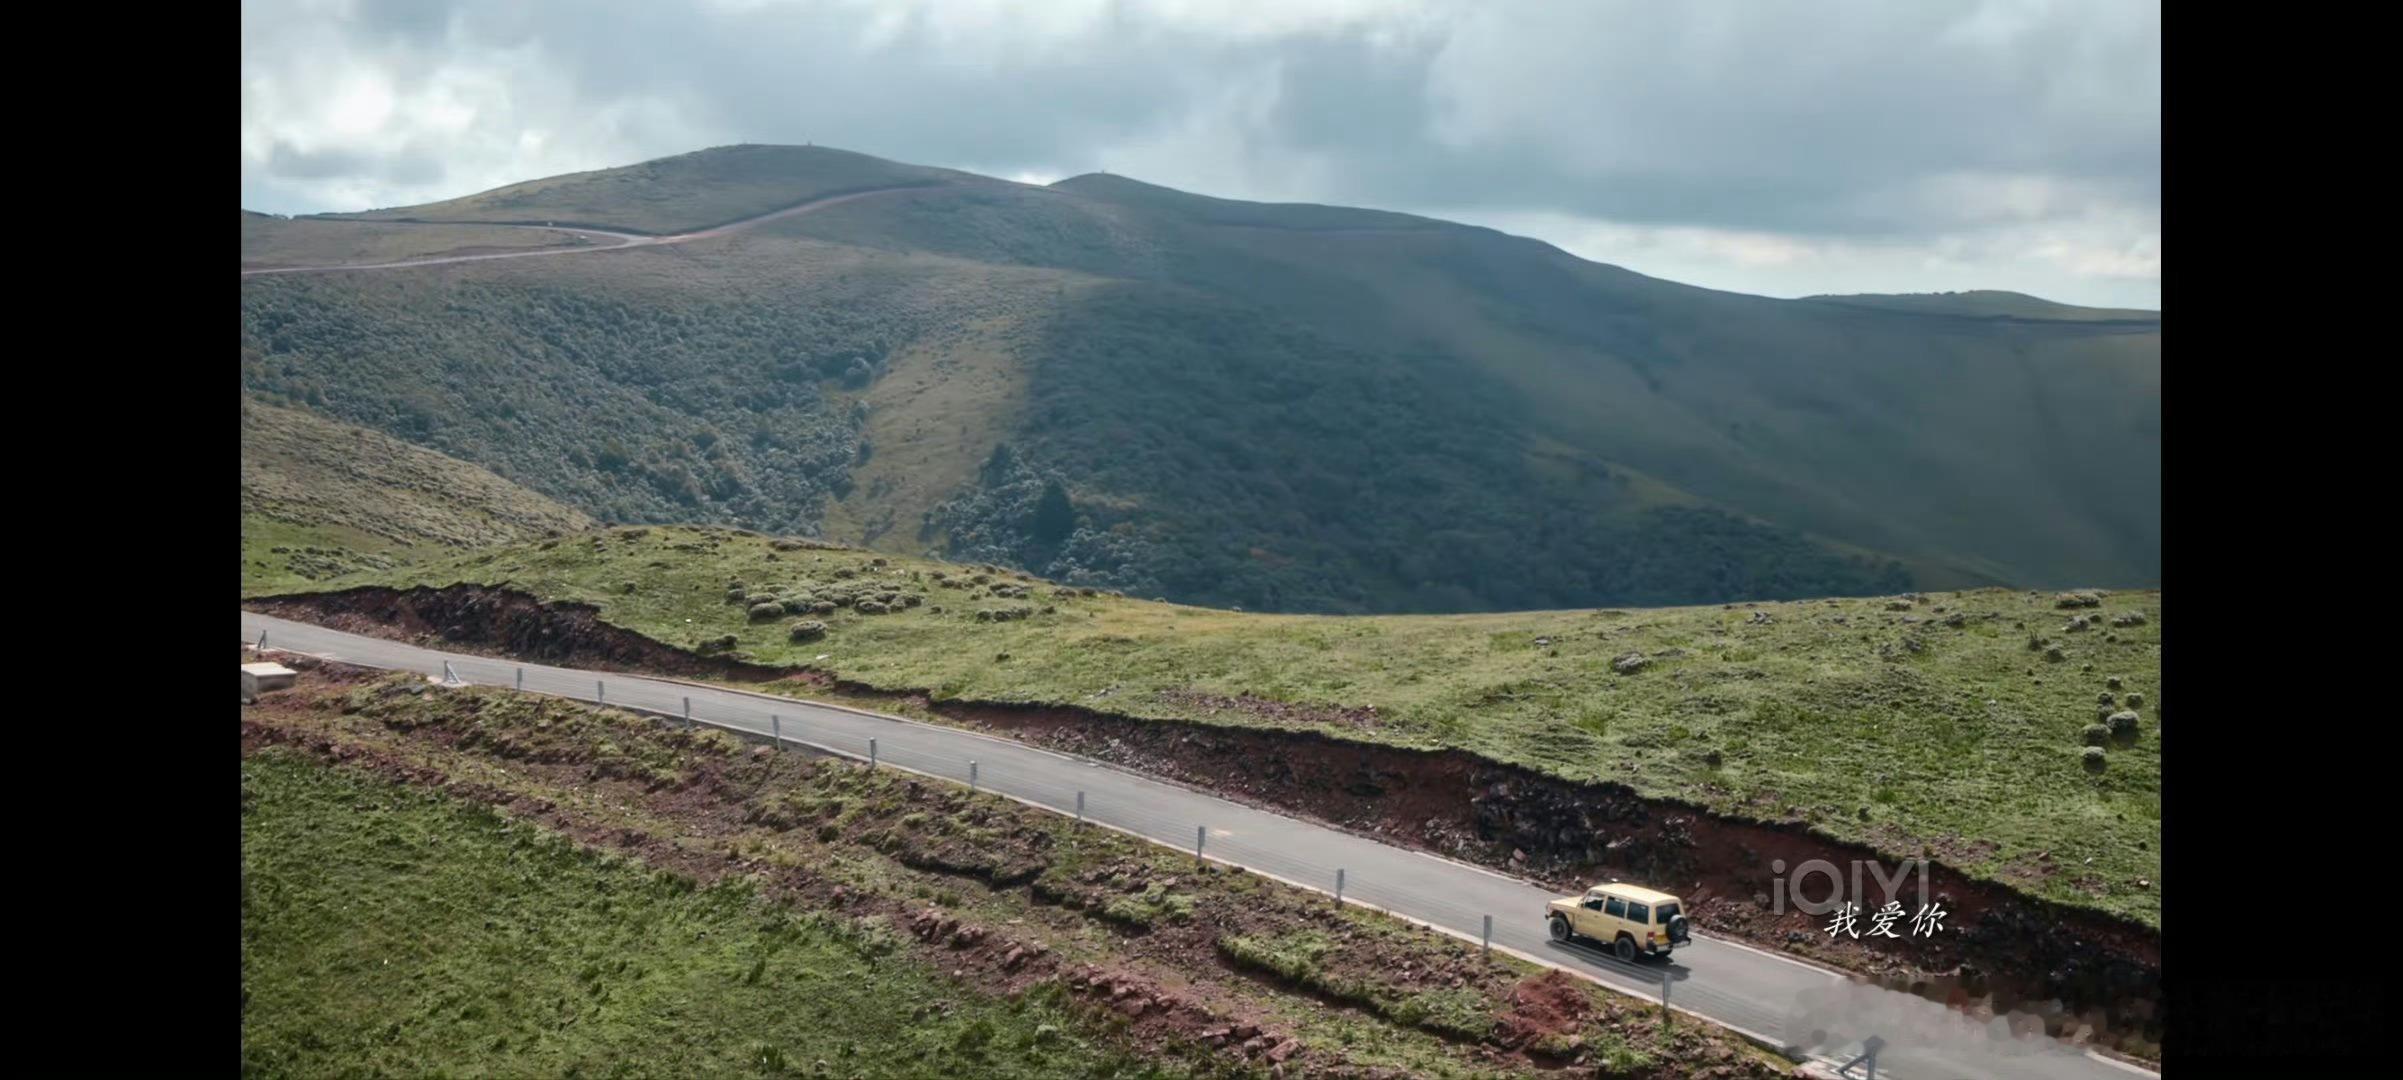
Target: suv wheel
(1625, 948)
(1560, 929)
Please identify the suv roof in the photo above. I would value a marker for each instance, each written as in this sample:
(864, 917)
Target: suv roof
(1637, 893)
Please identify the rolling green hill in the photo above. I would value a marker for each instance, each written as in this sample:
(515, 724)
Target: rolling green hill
(1284, 407)
(321, 498)
(677, 194)
(1987, 303)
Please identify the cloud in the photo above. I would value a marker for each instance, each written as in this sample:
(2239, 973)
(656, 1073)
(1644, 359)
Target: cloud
(1781, 147)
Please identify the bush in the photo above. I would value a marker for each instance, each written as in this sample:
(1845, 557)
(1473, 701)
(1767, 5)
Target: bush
(871, 607)
(2135, 701)
(795, 605)
(736, 595)
(822, 607)
(2097, 734)
(762, 612)
(2095, 759)
(2123, 724)
(808, 630)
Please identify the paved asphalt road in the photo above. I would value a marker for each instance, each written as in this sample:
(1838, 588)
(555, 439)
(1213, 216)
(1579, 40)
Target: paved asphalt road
(1781, 1000)
(621, 239)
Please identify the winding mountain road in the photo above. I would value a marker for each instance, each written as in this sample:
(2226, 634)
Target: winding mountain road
(618, 240)
(1768, 997)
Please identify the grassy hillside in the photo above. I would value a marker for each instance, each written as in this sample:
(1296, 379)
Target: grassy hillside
(1958, 721)
(269, 241)
(1288, 407)
(320, 498)
(1986, 303)
(387, 931)
(677, 194)
(859, 924)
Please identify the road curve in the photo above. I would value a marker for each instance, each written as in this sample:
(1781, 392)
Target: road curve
(621, 239)
(1769, 997)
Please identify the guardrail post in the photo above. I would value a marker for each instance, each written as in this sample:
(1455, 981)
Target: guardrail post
(1486, 947)
(521, 678)
(971, 776)
(1199, 833)
(448, 676)
(688, 714)
(776, 731)
(262, 645)
(600, 692)
(871, 751)
(1338, 886)
(1080, 807)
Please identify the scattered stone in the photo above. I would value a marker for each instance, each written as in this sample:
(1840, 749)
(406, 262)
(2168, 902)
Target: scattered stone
(1630, 663)
(2077, 600)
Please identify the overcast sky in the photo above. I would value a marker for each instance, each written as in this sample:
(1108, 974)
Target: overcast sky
(1780, 147)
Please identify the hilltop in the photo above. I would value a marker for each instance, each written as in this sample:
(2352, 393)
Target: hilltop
(684, 193)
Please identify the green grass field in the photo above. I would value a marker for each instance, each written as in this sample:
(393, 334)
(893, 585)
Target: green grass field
(320, 499)
(344, 873)
(1936, 725)
(391, 932)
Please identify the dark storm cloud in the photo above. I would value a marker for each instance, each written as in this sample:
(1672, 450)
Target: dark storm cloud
(1844, 122)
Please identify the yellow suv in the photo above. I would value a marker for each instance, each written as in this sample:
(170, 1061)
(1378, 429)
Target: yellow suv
(1629, 920)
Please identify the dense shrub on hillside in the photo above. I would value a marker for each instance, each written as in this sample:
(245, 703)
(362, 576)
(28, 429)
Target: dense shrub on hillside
(713, 397)
(1239, 460)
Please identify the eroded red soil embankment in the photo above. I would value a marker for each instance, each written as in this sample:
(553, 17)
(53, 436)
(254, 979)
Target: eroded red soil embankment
(1999, 950)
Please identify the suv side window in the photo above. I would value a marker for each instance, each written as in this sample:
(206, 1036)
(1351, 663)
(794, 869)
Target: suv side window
(1617, 908)
(1639, 914)
(1593, 903)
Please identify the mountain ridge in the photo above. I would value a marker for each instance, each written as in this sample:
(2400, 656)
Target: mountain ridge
(1342, 377)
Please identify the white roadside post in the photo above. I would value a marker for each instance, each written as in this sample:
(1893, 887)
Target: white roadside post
(521, 678)
(776, 731)
(688, 714)
(1200, 833)
(1485, 948)
(1339, 886)
(972, 776)
(600, 692)
(1080, 808)
(871, 751)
